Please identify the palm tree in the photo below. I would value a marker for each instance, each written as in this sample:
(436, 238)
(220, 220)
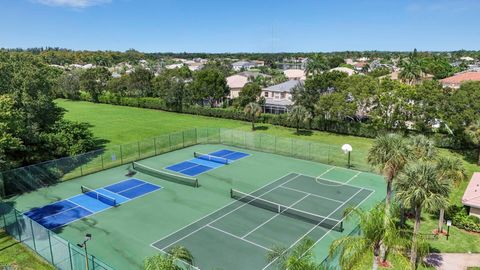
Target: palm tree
(168, 261)
(473, 133)
(422, 147)
(418, 187)
(450, 170)
(411, 70)
(298, 258)
(252, 111)
(297, 115)
(377, 230)
(389, 153)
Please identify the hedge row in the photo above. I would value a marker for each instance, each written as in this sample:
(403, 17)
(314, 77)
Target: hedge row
(341, 127)
(461, 219)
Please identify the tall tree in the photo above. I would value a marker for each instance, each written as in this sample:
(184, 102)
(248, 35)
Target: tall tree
(450, 170)
(376, 230)
(253, 111)
(170, 86)
(250, 93)
(209, 84)
(94, 81)
(473, 134)
(140, 83)
(418, 187)
(411, 71)
(298, 115)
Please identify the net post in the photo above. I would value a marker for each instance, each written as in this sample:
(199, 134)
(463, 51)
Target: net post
(33, 236)
(231, 193)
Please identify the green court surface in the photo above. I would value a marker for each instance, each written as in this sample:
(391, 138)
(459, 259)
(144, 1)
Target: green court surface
(219, 230)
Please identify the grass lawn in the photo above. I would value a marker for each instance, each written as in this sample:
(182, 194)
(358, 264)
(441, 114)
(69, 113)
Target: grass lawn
(18, 256)
(119, 125)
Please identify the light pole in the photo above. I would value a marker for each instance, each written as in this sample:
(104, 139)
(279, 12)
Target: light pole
(83, 245)
(449, 224)
(347, 149)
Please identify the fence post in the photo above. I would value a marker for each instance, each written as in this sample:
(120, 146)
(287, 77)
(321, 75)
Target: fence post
(207, 136)
(138, 148)
(101, 156)
(4, 222)
(291, 148)
(70, 255)
(196, 136)
(33, 236)
(50, 246)
(183, 139)
(170, 141)
(18, 226)
(121, 155)
(81, 169)
(155, 145)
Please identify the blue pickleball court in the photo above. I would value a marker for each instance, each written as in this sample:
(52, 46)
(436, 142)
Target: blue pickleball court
(90, 202)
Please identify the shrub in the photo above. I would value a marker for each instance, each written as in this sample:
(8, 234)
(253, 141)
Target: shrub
(461, 219)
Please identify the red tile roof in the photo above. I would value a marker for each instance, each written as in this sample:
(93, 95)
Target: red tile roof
(462, 77)
(471, 197)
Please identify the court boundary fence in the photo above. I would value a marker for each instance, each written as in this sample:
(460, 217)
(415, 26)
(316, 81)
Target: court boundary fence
(64, 255)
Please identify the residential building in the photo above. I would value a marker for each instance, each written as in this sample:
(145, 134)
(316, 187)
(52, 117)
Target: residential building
(195, 66)
(246, 65)
(236, 83)
(174, 66)
(278, 98)
(349, 71)
(456, 80)
(471, 197)
(295, 74)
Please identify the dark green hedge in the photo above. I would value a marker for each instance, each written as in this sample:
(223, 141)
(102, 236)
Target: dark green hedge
(341, 127)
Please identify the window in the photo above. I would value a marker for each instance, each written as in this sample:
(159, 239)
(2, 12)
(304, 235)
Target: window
(283, 95)
(266, 94)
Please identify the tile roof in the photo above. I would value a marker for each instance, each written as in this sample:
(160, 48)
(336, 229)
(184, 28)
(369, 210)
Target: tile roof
(471, 197)
(237, 81)
(283, 87)
(462, 77)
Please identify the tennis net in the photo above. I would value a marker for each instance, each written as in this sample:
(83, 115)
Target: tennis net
(318, 220)
(165, 175)
(98, 196)
(211, 158)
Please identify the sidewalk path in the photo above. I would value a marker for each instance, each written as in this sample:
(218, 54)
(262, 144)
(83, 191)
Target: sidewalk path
(453, 261)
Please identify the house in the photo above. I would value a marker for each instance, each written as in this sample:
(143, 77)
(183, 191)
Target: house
(467, 58)
(349, 71)
(471, 197)
(195, 66)
(278, 98)
(239, 65)
(174, 66)
(456, 80)
(359, 66)
(237, 82)
(295, 74)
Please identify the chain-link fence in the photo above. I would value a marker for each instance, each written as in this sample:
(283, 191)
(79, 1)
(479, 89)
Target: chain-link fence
(64, 255)
(57, 251)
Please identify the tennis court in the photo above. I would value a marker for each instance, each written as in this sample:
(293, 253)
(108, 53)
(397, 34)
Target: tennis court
(228, 217)
(279, 214)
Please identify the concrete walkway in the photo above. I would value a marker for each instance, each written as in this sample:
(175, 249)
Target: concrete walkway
(453, 261)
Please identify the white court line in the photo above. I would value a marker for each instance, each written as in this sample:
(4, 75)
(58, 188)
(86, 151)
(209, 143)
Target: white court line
(314, 195)
(276, 215)
(333, 167)
(316, 242)
(309, 231)
(355, 176)
(235, 201)
(239, 238)
(326, 179)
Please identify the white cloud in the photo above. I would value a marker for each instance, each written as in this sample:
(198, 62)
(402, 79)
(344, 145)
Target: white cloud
(73, 3)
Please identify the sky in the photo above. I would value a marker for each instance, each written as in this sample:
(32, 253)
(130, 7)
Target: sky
(241, 26)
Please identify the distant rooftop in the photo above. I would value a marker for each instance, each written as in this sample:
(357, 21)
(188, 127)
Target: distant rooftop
(284, 87)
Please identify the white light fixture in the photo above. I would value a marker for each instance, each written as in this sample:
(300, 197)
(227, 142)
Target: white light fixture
(347, 149)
